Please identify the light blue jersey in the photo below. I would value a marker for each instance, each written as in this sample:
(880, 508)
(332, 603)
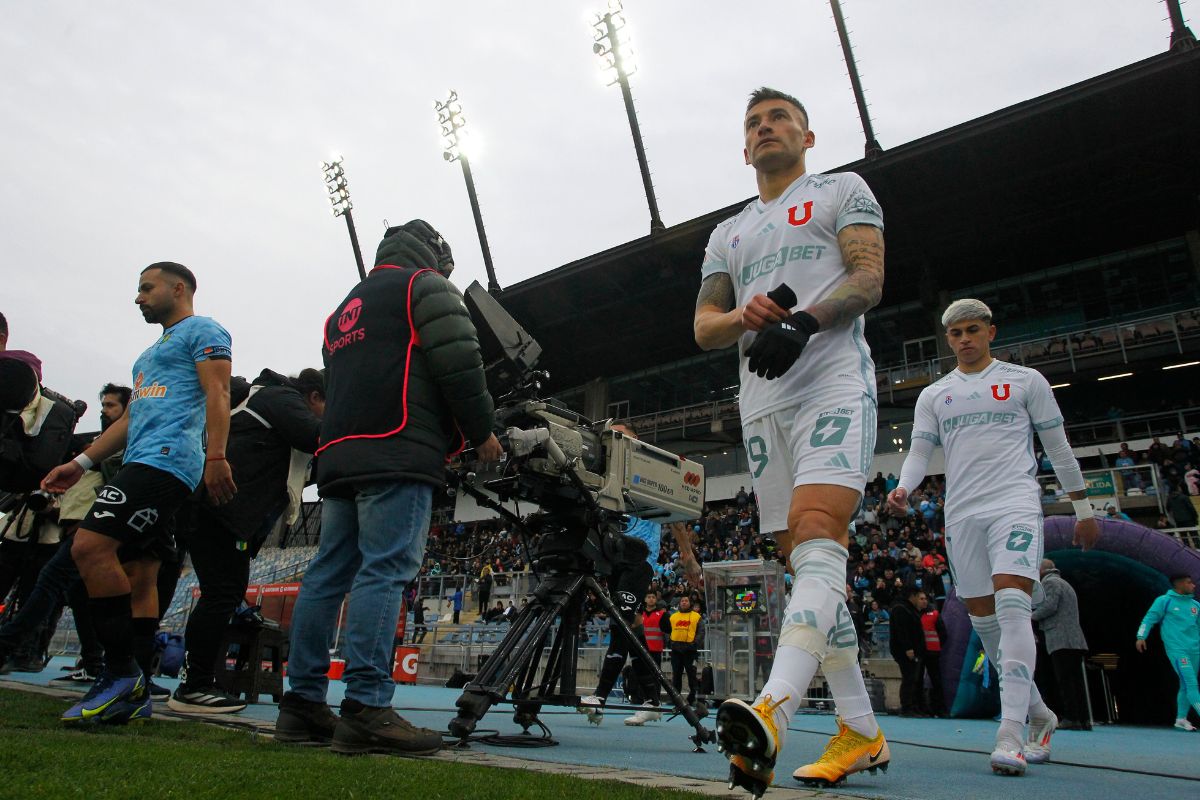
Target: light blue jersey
(648, 532)
(1180, 618)
(167, 409)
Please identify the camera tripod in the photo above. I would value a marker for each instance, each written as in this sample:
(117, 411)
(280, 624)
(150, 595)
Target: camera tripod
(515, 662)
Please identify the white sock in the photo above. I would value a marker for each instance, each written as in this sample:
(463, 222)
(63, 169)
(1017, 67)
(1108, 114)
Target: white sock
(853, 705)
(820, 569)
(1016, 654)
(791, 673)
(988, 629)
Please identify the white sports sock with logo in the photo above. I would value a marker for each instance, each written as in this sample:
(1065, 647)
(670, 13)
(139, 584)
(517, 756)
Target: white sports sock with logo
(988, 629)
(1017, 653)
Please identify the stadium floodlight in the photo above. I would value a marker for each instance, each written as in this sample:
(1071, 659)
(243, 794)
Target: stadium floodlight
(453, 124)
(612, 44)
(1114, 377)
(1184, 364)
(873, 148)
(339, 199)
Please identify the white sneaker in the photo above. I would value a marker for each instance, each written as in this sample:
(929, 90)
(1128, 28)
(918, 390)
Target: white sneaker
(1008, 758)
(593, 706)
(1184, 725)
(649, 713)
(1037, 743)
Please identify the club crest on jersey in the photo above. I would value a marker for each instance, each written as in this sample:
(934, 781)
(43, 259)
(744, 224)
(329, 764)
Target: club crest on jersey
(807, 214)
(1000, 391)
(736, 240)
(949, 399)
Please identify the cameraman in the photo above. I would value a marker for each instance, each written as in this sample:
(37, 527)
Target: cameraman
(406, 388)
(627, 585)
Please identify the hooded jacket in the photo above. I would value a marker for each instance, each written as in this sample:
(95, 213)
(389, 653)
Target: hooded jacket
(259, 452)
(1180, 618)
(405, 387)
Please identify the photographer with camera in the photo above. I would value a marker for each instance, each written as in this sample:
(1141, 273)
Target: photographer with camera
(180, 392)
(627, 586)
(59, 578)
(405, 389)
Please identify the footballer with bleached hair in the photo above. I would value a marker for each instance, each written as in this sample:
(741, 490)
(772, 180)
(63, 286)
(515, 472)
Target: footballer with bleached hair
(984, 415)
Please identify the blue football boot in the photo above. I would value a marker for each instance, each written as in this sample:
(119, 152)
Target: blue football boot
(107, 691)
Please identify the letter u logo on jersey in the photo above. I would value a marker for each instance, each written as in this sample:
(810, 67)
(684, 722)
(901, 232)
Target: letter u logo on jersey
(807, 214)
(1000, 391)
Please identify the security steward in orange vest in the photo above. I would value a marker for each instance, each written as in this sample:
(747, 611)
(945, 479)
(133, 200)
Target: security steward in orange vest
(651, 620)
(685, 631)
(935, 632)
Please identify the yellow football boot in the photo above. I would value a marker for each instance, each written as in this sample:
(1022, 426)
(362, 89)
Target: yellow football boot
(749, 738)
(847, 753)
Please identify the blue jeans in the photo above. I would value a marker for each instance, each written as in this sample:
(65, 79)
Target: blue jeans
(371, 547)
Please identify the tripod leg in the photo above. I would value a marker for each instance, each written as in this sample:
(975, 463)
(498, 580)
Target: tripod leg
(517, 656)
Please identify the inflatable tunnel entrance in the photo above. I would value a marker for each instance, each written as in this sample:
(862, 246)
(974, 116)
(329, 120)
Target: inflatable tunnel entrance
(1116, 582)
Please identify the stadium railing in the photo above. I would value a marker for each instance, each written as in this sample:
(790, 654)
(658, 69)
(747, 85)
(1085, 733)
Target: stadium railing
(1122, 337)
(1133, 488)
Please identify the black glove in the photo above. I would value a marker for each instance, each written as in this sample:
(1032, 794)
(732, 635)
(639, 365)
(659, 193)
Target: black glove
(415, 244)
(778, 345)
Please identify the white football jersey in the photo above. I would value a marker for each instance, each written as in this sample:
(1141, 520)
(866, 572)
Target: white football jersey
(793, 240)
(985, 423)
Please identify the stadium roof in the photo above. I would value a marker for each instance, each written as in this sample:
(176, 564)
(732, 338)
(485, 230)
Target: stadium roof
(1103, 165)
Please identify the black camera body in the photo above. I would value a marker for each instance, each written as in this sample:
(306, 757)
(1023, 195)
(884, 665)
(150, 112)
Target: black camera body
(31, 448)
(584, 477)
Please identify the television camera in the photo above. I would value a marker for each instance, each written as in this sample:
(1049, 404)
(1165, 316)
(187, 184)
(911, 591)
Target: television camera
(585, 479)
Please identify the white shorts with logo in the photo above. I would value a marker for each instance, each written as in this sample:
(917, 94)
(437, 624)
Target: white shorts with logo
(1005, 543)
(828, 439)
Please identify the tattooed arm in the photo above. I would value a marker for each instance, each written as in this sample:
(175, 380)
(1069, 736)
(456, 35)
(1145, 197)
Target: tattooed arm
(718, 324)
(862, 288)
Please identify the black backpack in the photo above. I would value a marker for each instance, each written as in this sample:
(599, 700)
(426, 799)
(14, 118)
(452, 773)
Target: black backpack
(25, 460)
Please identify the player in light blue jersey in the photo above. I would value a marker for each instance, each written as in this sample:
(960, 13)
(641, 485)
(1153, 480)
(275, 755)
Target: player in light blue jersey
(627, 586)
(180, 387)
(1178, 612)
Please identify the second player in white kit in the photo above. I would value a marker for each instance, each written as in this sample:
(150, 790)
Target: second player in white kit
(984, 415)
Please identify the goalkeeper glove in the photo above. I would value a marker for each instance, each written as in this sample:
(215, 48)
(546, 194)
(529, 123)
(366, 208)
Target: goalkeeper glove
(779, 345)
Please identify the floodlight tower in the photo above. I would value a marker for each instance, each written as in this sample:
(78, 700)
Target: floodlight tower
(339, 198)
(450, 117)
(1181, 36)
(873, 148)
(613, 46)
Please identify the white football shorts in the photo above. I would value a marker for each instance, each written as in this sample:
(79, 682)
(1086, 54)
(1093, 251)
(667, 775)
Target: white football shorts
(1004, 543)
(829, 439)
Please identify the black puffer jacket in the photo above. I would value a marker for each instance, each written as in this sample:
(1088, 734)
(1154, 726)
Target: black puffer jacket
(405, 385)
(259, 456)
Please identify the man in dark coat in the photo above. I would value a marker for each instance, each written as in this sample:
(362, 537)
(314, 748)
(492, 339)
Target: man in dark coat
(281, 417)
(405, 390)
(908, 648)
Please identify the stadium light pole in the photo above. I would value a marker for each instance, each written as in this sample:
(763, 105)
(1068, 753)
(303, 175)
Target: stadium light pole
(873, 148)
(450, 117)
(339, 198)
(612, 45)
(1181, 37)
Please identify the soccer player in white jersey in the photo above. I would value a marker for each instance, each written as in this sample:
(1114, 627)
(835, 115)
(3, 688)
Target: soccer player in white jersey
(788, 281)
(984, 414)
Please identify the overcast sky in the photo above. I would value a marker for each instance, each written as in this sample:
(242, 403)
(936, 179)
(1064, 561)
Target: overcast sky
(144, 131)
